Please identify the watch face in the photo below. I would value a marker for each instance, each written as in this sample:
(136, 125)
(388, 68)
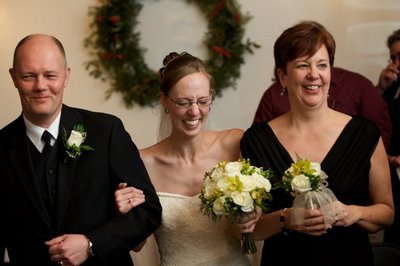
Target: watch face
(90, 249)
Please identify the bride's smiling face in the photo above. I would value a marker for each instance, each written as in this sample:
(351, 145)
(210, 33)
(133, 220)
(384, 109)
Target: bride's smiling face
(308, 78)
(189, 103)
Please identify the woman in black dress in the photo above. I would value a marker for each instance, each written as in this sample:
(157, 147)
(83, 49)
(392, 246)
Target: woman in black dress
(349, 149)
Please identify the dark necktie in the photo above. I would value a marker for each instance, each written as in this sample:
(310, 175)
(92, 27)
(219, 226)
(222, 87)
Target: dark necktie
(46, 137)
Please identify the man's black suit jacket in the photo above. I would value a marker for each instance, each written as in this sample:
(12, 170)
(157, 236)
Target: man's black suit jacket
(85, 192)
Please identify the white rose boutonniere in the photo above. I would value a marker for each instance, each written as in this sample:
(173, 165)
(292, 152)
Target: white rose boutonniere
(74, 143)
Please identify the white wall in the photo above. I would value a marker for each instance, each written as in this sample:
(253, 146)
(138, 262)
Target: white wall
(359, 26)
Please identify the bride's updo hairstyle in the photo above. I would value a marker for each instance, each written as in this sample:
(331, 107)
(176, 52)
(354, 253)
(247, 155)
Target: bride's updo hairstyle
(176, 66)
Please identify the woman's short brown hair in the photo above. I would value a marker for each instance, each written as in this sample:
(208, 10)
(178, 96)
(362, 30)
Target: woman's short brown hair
(302, 39)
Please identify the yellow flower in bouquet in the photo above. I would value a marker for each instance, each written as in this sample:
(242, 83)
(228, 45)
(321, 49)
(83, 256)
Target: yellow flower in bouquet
(233, 188)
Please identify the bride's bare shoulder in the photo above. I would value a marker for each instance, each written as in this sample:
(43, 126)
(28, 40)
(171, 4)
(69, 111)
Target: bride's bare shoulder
(151, 153)
(228, 139)
(233, 134)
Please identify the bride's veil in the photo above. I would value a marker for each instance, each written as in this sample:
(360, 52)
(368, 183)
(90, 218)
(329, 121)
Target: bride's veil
(164, 124)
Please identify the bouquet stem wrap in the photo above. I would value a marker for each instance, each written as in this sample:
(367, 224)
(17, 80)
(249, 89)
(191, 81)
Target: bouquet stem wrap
(321, 199)
(248, 244)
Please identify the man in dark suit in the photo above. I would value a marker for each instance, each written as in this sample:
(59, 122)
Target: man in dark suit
(58, 207)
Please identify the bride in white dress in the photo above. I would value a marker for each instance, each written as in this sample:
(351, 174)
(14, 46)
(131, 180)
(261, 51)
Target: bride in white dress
(177, 163)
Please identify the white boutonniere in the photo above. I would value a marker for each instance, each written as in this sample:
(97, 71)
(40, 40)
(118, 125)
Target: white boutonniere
(74, 143)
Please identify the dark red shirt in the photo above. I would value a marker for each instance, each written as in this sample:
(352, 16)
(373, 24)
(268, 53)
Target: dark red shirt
(349, 93)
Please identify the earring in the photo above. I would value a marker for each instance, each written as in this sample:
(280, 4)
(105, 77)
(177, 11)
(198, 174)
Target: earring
(283, 91)
(166, 110)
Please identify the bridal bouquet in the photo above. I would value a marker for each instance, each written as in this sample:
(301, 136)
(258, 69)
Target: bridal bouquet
(307, 183)
(232, 189)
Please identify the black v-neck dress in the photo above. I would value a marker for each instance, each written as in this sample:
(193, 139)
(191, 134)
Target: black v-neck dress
(347, 165)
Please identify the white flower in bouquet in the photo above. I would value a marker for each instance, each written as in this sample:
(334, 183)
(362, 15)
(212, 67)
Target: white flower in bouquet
(233, 188)
(218, 206)
(244, 200)
(232, 168)
(300, 183)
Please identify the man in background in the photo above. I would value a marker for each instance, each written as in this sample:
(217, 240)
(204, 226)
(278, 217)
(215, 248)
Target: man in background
(389, 86)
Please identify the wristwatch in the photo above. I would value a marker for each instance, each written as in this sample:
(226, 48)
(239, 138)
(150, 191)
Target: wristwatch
(90, 249)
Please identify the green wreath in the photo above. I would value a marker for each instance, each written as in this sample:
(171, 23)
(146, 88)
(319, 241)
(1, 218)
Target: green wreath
(114, 45)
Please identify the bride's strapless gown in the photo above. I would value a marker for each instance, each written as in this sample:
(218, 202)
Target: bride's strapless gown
(188, 237)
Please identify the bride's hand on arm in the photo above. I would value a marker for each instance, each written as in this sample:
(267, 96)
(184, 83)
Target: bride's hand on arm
(127, 198)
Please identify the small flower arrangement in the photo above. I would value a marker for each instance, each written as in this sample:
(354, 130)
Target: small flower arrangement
(303, 176)
(231, 189)
(307, 183)
(74, 143)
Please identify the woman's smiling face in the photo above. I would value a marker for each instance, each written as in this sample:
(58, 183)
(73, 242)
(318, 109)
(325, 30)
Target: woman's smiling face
(189, 103)
(308, 78)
